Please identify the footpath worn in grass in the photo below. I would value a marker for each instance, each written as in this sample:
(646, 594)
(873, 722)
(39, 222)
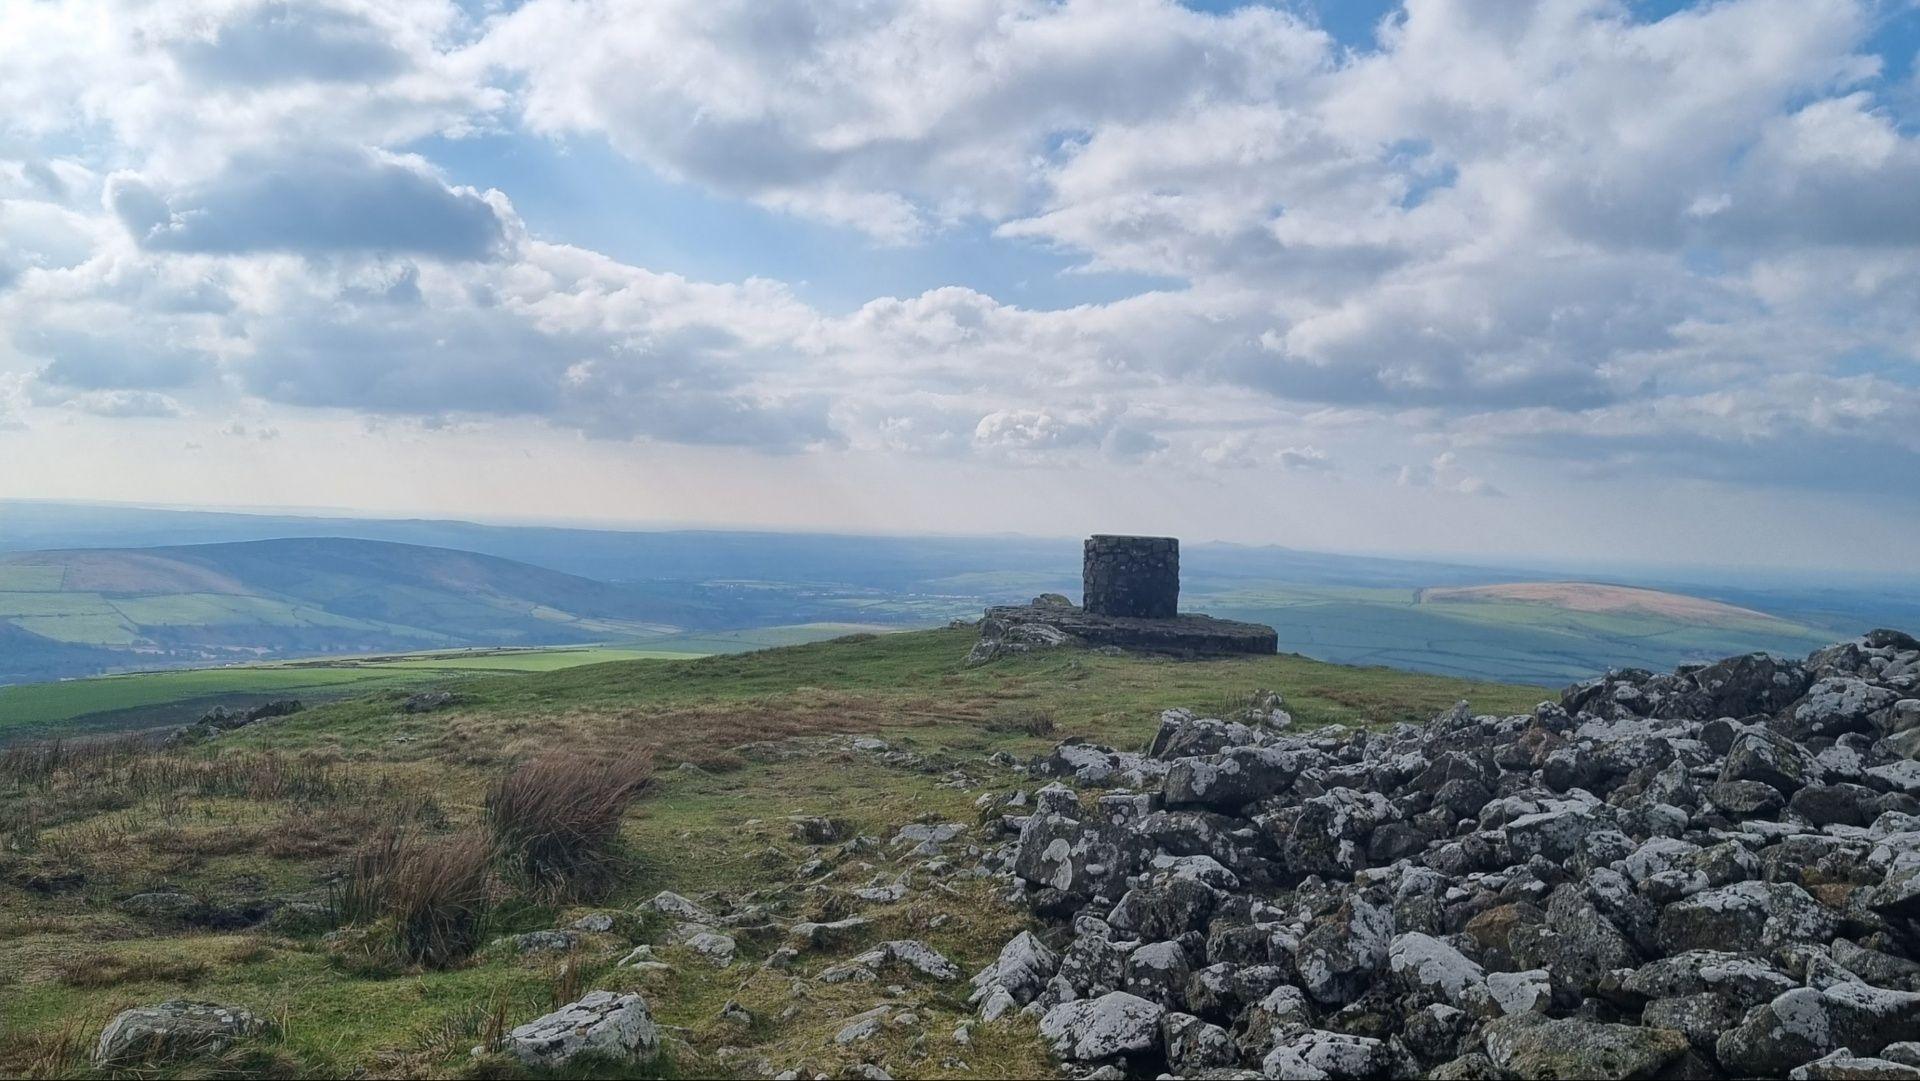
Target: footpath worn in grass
(274, 812)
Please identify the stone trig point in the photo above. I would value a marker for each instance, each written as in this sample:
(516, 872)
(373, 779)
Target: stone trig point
(1131, 576)
(1130, 593)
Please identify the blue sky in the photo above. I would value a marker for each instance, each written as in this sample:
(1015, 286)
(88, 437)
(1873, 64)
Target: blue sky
(1569, 279)
(579, 190)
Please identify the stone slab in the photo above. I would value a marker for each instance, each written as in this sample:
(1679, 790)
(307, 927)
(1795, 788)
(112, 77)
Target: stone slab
(1185, 635)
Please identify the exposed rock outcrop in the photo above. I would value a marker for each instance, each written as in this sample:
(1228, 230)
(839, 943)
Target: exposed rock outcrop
(1713, 872)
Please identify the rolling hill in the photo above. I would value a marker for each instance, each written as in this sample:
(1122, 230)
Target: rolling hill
(76, 611)
(133, 587)
(1519, 632)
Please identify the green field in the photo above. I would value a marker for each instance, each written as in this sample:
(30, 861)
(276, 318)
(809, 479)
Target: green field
(145, 699)
(149, 699)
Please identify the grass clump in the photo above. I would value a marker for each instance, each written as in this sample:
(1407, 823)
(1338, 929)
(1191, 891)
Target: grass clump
(1020, 720)
(95, 970)
(432, 896)
(555, 819)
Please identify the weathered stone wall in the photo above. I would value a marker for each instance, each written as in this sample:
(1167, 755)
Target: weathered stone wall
(1132, 576)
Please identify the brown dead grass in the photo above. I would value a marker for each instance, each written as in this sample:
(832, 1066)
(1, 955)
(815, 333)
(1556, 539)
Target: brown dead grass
(95, 970)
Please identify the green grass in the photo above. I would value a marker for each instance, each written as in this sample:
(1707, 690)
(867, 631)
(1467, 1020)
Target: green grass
(756, 721)
(173, 696)
(26, 577)
(740, 641)
(532, 660)
(144, 699)
(911, 679)
(53, 604)
(107, 628)
(44, 703)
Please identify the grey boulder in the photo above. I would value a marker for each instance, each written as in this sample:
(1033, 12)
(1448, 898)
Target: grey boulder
(173, 1030)
(602, 1025)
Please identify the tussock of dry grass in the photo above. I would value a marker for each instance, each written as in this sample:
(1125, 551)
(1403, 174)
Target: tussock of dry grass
(432, 895)
(555, 820)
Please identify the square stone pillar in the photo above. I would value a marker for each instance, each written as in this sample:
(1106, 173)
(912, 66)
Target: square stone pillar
(1132, 576)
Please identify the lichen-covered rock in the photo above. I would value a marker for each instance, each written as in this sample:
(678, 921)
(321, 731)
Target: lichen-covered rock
(1162, 912)
(601, 1024)
(1022, 970)
(1532, 1047)
(1231, 779)
(668, 903)
(1434, 969)
(1709, 872)
(1094, 963)
(1339, 958)
(1765, 914)
(1837, 705)
(828, 933)
(1804, 1024)
(1844, 1065)
(1741, 978)
(1158, 972)
(1075, 858)
(1317, 1055)
(1521, 992)
(1193, 1045)
(173, 1030)
(1113, 1025)
(909, 953)
(542, 942)
(713, 947)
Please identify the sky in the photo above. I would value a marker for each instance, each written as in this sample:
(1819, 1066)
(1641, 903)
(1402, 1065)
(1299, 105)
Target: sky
(1568, 279)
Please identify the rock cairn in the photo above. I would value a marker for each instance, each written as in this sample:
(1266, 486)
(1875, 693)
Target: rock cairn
(1709, 873)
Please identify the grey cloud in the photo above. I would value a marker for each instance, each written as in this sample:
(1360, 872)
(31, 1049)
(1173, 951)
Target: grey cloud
(290, 42)
(1856, 434)
(84, 360)
(432, 357)
(1826, 462)
(312, 202)
(1309, 458)
(125, 403)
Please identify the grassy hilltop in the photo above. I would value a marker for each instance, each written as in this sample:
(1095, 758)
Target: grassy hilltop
(279, 812)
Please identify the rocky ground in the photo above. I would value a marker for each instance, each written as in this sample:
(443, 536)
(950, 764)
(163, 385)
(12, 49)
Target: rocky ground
(1712, 873)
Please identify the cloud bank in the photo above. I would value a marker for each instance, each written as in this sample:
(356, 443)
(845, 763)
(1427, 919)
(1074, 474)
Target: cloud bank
(1489, 247)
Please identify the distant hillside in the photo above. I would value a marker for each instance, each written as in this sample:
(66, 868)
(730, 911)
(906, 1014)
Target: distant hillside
(73, 612)
(1544, 633)
(1478, 622)
(1595, 597)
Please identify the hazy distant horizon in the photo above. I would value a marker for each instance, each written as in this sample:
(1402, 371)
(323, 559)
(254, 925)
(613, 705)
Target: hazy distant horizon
(1621, 572)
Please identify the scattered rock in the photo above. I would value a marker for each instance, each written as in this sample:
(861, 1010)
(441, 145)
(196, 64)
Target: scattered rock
(173, 1030)
(602, 1024)
(1112, 1025)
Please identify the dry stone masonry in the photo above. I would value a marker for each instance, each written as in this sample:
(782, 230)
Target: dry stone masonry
(1131, 602)
(1705, 874)
(1136, 577)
